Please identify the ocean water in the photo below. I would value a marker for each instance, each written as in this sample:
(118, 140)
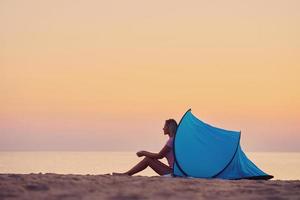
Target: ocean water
(284, 166)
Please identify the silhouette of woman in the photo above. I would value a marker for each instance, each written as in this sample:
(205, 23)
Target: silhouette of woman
(152, 159)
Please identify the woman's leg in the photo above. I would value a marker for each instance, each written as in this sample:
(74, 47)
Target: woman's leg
(155, 164)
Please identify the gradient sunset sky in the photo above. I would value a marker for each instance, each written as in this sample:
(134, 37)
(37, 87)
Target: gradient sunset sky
(105, 75)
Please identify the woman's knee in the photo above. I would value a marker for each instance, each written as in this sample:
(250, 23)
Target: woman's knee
(147, 159)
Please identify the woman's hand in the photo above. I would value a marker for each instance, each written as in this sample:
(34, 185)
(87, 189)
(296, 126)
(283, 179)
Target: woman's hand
(140, 153)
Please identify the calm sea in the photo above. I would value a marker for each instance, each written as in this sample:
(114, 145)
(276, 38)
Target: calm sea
(284, 166)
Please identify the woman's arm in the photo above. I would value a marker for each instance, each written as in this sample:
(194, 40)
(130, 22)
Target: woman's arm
(163, 152)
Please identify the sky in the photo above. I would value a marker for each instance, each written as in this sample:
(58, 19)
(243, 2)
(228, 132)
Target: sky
(89, 75)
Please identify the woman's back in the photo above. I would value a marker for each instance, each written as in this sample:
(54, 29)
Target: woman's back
(170, 154)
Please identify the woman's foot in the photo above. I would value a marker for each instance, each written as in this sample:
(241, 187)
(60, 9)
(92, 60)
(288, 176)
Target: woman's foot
(120, 174)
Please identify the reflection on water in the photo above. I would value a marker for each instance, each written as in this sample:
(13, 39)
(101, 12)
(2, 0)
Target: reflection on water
(280, 165)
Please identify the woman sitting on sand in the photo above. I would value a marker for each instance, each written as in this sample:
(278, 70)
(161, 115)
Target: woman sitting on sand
(152, 159)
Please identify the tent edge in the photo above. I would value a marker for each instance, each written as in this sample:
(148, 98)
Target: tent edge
(175, 160)
(236, 148)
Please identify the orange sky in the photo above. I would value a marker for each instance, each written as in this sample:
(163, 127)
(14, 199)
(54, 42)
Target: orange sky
(104, 75)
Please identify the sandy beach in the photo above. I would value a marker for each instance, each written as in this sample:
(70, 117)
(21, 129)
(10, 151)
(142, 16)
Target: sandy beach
(58, 186)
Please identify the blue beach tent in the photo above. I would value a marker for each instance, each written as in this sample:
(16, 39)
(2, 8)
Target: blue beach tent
(204, 151)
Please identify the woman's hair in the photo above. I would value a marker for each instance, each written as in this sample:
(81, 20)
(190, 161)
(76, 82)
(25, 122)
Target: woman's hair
(172, 125)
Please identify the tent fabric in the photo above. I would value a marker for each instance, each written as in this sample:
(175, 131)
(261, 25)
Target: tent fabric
(204, 151)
